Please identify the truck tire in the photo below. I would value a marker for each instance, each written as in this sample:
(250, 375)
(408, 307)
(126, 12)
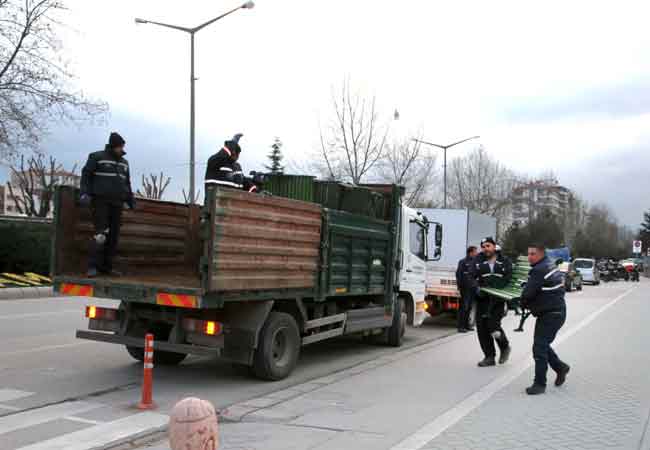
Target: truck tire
(395, 334)
(278, 347)
(159, 357)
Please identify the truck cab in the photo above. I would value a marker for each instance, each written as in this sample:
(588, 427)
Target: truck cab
(415, 235)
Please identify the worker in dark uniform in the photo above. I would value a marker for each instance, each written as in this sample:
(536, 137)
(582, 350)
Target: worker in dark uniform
(467, 287)
(223, 169)
(543, 295)
(106, 186)
(491, 270)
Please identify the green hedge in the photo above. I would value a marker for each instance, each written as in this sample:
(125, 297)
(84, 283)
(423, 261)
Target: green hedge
(25, 246)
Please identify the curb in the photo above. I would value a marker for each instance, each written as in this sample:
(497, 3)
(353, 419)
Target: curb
(252, 410)
(26, 293)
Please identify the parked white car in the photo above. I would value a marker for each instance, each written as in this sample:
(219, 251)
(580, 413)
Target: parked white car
(588, 269)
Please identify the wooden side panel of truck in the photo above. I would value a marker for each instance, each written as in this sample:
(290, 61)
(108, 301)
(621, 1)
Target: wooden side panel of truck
(248, 264)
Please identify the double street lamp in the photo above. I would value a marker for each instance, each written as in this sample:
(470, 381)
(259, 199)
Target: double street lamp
(445, 147)
(192, 32)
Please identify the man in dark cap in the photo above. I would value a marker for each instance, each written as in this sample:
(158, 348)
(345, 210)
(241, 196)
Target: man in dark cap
(494, 270)
(106, 186)
(223, 169)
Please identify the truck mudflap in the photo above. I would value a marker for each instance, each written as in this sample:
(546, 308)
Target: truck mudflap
(139, 342)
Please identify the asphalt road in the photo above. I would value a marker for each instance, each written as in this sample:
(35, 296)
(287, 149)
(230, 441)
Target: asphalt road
(43, 364)
(53, 385)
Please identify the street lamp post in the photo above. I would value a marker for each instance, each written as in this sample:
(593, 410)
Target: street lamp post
(444, 148)
(192, 32)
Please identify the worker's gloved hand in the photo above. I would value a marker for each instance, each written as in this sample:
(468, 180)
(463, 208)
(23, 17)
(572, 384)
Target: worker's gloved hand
(131, 203)
(85, 200)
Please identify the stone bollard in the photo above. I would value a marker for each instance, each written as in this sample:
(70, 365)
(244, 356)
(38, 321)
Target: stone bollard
(193, 425)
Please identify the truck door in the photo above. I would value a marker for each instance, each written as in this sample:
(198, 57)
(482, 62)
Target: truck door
(414, 273)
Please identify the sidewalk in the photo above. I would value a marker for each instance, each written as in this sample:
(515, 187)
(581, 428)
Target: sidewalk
(19, 293)
(435, 397)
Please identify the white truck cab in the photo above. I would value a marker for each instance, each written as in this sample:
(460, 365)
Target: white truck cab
(415, 254)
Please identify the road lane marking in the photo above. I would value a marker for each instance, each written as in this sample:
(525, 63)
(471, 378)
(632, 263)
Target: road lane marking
(37, 315)
(82, 420)
(44, 348)
(7, 395)
(113, 433)
(41, 415)
(436, 427)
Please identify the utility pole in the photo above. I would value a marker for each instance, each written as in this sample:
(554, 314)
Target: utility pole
(192, 32)
(444, 148)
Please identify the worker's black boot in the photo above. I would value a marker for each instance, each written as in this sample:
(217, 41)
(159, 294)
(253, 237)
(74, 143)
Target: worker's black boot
(535, 389)
(487, 362)
(561, 375)
(92, 272)
(505, 355)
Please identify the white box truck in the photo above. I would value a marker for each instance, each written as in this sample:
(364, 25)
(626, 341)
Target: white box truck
(461, 228)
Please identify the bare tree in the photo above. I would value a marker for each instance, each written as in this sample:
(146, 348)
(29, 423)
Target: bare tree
(35, 80)
(408, 164)
(153, 187)
(191, 201)
(354, 141)
(33, 181)
(480, 183)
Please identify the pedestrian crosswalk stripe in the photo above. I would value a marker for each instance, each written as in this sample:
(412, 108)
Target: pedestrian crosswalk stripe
(8, 395)
(82, 420)
(38, 416)
(113, 433)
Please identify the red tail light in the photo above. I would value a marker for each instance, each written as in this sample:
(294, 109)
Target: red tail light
(95, 312)
(209, 327)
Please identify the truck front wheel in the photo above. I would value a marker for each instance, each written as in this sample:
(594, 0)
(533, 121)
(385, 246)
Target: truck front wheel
(278, 347)
(398, 328)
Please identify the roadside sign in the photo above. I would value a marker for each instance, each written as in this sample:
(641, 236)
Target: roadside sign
(636, 247)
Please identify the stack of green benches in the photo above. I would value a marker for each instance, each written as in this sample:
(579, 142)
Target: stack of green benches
(512, 292)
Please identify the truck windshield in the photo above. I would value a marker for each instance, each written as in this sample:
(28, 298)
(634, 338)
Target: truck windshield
(584, 264)
(416, 244)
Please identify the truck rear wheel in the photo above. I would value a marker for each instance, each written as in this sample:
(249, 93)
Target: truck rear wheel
(278, 347)
(159, 357)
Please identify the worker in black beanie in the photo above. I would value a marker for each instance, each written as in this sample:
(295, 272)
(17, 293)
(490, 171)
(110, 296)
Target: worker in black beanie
(105, 187)
(223, 169)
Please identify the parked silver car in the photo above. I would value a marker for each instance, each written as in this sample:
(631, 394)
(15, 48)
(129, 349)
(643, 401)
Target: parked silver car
(588, 269)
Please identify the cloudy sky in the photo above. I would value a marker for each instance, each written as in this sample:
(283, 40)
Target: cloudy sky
(547, 85)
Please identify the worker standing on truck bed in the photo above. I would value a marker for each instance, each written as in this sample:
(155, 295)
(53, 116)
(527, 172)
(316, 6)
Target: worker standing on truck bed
(543, 295)
(495, 271)
(106, 186)
(223, 168)
(467, 287)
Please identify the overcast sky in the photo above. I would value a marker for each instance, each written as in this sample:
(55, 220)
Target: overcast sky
(548, 85)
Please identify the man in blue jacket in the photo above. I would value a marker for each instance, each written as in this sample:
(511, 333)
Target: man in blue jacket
(466, 284)
(543, 295)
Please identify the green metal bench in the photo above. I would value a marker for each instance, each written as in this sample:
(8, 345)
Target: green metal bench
(512, 292)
